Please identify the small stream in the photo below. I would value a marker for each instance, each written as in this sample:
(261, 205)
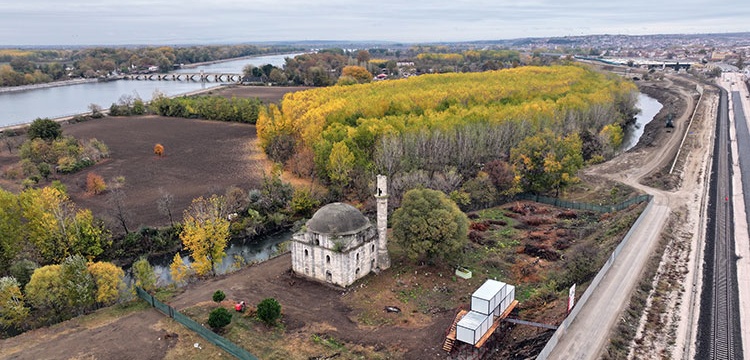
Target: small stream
(239, 253)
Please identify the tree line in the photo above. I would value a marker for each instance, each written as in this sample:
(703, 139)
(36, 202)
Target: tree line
(40, 66)
(435, 123)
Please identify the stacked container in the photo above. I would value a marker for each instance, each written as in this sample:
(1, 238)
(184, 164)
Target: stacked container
(488, 297)
(472, 327)
(510, 295)
(487, 303)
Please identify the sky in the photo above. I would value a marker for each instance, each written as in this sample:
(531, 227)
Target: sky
(168, 22)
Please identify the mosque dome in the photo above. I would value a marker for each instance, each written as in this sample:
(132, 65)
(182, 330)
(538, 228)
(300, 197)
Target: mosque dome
(338, 218)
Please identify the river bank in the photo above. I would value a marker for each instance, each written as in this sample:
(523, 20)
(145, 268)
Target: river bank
(212, 62)
(10, 89)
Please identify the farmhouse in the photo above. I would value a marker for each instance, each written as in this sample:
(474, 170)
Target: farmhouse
(339, 245)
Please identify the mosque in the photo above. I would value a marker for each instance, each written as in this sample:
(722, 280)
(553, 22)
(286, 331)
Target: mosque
(339, 245)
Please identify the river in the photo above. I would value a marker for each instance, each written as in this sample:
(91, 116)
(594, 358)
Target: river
(55, 102)
(649, 108)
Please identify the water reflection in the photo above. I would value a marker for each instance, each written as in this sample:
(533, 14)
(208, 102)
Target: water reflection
(649, 108)
(239, 253)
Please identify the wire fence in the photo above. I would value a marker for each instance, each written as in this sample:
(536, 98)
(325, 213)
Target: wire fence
(191, 324)
(584, 206)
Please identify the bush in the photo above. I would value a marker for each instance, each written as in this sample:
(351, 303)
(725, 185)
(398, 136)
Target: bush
(219, 296)
(44, 129)
(269, 310)
(95, 184)
(219, 318)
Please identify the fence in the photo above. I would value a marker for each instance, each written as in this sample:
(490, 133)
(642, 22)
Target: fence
(207, 334)
(552, 342)
(584, 206)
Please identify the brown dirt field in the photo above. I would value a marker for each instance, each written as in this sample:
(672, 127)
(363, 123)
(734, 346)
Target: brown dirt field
(201, 157)
(314, 305)
(133, 336)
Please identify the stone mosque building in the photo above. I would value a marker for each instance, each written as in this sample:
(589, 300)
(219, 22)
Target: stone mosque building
(338, 245)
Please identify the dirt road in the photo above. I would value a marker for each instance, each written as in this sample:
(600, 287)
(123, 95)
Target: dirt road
(589, 333)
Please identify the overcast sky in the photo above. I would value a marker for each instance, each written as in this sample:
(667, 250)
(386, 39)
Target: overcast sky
(108, 22)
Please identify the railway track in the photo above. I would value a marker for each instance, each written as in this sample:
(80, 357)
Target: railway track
(719, 328)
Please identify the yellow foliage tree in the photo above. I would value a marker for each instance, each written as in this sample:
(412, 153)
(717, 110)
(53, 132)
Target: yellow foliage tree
(58, 228)
(179, 270)
(358, 73)
(518, 102)
(340, 163)
(109, 281)
(12, 309)
(205, 232)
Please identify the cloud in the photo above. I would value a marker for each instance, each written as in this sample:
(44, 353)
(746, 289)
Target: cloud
(38, 22)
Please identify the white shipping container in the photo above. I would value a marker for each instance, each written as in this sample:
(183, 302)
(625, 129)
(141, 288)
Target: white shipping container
(472, 327)
(487, 297)
(506, 301)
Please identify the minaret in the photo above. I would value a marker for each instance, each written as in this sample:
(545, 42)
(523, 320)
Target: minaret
(383, 260)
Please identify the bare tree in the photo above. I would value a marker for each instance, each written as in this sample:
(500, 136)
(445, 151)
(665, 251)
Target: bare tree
(165, 204)
(117, 209)
(10, 141)
(236, 199)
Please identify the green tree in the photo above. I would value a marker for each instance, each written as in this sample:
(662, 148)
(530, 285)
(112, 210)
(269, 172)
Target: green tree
(303, 202)
(109, 281)
(205, 232)
(547, 161)
(144, 275)
(44, 129)
(269, 310)
(218, 296)
(481, 190)
(22, 270)
(11, 229)
(219, 318)
(12, 309)
(430, 226)
(79, 284)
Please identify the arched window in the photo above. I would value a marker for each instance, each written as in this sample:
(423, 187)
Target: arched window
(372, 248)
(328, 259)
(357, 258)
(356, 272)
(305, 252)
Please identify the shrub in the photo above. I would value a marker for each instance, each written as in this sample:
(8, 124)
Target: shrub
(219, 318)
(218, 296)
(479, 226)
(159, 150)
(95, 184)
(269, 310)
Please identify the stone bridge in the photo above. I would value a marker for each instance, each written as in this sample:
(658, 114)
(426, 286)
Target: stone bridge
(202, 77)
